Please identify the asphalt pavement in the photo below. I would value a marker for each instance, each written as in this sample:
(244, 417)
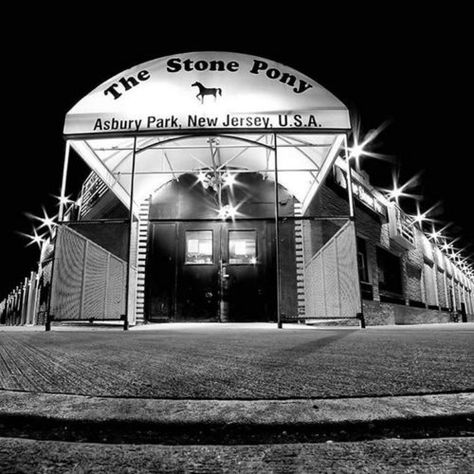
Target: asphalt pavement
(239, 361)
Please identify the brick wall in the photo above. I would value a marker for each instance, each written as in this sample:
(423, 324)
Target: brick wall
(441, 282)
(378, 314)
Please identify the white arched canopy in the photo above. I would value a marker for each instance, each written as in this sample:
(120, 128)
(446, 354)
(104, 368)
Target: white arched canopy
(215, 110)
(303, 160)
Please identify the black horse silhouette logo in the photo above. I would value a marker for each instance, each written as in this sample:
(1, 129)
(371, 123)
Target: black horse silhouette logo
(203, 91)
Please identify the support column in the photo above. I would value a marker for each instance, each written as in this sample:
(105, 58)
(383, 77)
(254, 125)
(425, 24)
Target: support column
(24, 301)
(49, 316)
(31, 298)
(64, 181)
(130, 229)
(360, 315)
(277, 232)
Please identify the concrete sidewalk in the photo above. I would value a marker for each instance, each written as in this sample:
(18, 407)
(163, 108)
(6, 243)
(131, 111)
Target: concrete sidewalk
(220, 412)
(445, 455)
(134, 421)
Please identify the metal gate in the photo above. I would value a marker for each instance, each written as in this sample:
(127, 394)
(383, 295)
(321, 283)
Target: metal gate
(89, 282)
(332, 284)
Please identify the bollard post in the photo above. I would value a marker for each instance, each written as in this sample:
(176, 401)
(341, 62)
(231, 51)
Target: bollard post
(47, 325)
(360, 317)
(125, 322)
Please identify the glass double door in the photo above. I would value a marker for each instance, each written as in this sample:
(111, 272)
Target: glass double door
(211, 271)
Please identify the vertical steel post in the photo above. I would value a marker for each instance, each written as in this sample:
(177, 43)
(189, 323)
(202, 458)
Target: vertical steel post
(31, 298)
(37, 295)
(24, 301)
(349, 180)
(64, 180)
(106, 290)
(48, 318)
(360, 315)
(84, 279)
(130, 229)
(277, 233)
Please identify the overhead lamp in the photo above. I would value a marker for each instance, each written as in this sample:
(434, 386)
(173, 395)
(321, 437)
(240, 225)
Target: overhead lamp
(34, 238)
(229, 179)
(434, 235)
(64, 200)
(420, 216)
(396, 193)
(46, 221)
(356, 151)
(446, 246)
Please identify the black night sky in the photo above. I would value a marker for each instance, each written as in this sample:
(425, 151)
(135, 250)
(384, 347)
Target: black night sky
(412, 72)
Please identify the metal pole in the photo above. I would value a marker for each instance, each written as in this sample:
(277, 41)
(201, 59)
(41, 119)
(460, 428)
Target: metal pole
(49, 316)
(349, 181)
(360, 315)
(277, 234)
(130, 229)
(54, 239)
(31, 298)
(24, 301)
(36, 301)
(64, 180)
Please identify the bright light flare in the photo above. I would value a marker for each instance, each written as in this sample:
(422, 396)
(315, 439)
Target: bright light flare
(396, 193)
(227, 212)
(457, 252)
(202, 177)
(434, 235)
(359, 146)
(400, 191)
(446, 247)
(64, 200)
(449, 246)
(34, 238)
(46, 221)
(420, 216)
(229, 179)
(356, 150)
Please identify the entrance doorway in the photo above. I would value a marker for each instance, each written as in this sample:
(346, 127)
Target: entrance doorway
(212, 271)
(203, 268)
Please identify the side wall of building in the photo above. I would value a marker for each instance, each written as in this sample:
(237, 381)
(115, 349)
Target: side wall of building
(431, 288)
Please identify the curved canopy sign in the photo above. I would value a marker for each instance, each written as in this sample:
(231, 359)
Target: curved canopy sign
(207, 90)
